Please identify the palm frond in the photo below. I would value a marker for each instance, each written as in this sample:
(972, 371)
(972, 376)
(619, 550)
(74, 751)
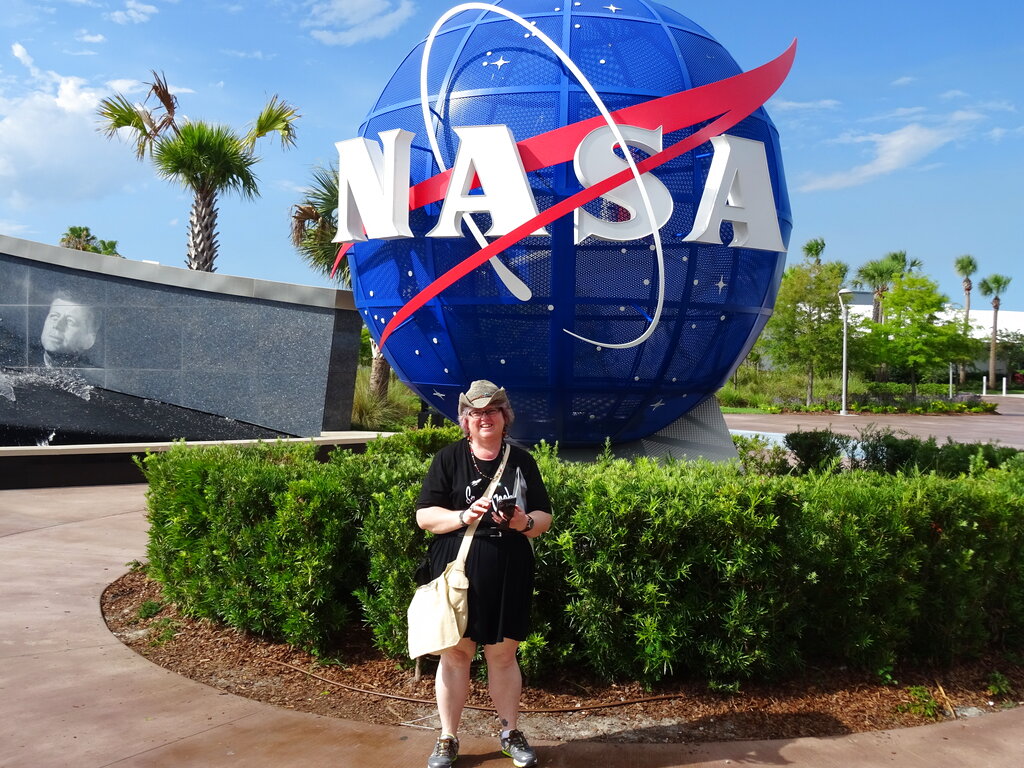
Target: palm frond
(993, 285)
(965, 265)
(117, 112)
(315, 223)
(278, 116)
(304, 218)
(207, 157)
(162, 91)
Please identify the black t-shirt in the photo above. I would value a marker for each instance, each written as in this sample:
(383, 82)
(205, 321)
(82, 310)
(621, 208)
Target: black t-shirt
(499, 568)
(453, 481)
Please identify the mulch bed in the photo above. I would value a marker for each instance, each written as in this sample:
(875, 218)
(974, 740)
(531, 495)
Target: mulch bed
(824, 702)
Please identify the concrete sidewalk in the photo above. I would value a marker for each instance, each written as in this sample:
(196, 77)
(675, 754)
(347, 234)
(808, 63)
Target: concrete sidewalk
(72, 695)
(1005, 427)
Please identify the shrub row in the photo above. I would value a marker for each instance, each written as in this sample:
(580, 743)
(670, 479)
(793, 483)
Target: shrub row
(877, 450)
(651, 569)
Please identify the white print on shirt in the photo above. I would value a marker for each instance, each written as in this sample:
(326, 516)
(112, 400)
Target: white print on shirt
(471, 491)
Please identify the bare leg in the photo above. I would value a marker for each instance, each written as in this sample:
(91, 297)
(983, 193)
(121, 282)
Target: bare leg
(451, 685)
(504, 681)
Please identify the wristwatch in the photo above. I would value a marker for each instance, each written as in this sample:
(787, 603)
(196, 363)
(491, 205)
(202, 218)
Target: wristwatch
(529, 523)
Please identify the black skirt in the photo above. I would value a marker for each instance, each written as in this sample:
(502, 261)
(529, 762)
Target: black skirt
(500, 572)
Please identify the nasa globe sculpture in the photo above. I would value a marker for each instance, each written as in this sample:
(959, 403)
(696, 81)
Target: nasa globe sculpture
(495, 229)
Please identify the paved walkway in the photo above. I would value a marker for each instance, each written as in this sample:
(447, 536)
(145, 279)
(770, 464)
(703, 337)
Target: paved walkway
(1005, 427)
(72, 695)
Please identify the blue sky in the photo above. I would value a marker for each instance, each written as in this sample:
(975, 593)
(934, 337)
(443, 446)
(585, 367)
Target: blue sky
(902, 123)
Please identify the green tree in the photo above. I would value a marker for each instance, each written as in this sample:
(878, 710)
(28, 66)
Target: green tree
(205, 158)
(314, 225)
(966, 266)
(1011, 348)
(912, 337)
(82, 239)
(805, 331)
(993, 285)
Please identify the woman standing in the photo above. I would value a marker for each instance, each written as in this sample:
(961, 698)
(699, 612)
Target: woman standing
(499, 566)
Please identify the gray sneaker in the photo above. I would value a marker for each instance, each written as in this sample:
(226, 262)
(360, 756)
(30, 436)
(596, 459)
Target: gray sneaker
(446, 752)
(516, 747)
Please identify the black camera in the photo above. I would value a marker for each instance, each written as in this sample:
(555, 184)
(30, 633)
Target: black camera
(504, 507)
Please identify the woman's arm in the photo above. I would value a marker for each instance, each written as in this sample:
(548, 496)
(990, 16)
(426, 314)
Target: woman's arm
(443, 520)
(520, 521)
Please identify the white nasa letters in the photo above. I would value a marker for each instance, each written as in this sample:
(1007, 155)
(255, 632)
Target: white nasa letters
(739, 190)
(373, 188)
(489, 153)
(595, 159)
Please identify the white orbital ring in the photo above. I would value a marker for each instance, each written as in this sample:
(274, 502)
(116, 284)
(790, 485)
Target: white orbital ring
(503, 271)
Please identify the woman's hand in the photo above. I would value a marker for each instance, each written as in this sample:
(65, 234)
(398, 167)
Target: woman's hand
(476, 510)
(518, 521)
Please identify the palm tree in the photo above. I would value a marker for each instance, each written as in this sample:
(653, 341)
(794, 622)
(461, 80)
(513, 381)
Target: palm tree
(82, 239)
(78, 238)
(314, 224)
(965, 267)
(901, 264)
(880, 274)
(206, 159)
(813, 249)
(108, 248)
(993, 285)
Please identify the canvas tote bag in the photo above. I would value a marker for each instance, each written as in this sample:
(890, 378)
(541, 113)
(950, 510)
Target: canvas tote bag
(440, 608)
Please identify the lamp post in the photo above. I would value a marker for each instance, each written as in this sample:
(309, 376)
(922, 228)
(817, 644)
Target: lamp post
(844, 292)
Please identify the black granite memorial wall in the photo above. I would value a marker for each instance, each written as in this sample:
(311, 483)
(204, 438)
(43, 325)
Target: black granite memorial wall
(162, 353)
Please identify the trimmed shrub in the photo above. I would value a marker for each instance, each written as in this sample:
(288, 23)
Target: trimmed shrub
(651, 569)
(817, 449)
(759, 456)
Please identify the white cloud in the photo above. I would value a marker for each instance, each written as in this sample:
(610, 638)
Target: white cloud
(782, 105)
(902, 113)
(83, 36)
(347, 22)
(22, 55)
(133, 13)
(50, 150)
(905, 80)
(953, 94)
(13, 228)
(258, 55)
(126, 85)
(892, 152)
(997, 106)
(966, 116)
(998, 134)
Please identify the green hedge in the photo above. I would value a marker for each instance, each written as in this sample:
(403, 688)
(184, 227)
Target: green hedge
(875, 449)
(650, 569)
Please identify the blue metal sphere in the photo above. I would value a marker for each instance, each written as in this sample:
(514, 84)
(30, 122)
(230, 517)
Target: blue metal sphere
(717, 298)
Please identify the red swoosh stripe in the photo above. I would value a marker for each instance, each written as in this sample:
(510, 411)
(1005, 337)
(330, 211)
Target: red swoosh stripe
(741, 95)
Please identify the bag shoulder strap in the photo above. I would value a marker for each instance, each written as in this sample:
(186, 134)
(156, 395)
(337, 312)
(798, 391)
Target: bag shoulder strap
(467, 538)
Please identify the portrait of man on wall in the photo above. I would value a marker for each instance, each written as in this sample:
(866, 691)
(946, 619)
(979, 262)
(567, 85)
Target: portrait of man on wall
(69, 333)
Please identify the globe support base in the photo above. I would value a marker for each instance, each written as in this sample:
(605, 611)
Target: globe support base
(699, 434)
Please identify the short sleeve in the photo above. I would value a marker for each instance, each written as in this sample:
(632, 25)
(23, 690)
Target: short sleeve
(437, 485)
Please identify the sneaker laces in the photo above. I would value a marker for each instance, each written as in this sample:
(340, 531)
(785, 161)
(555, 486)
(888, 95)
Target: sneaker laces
(446, 746)
(517, 739)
